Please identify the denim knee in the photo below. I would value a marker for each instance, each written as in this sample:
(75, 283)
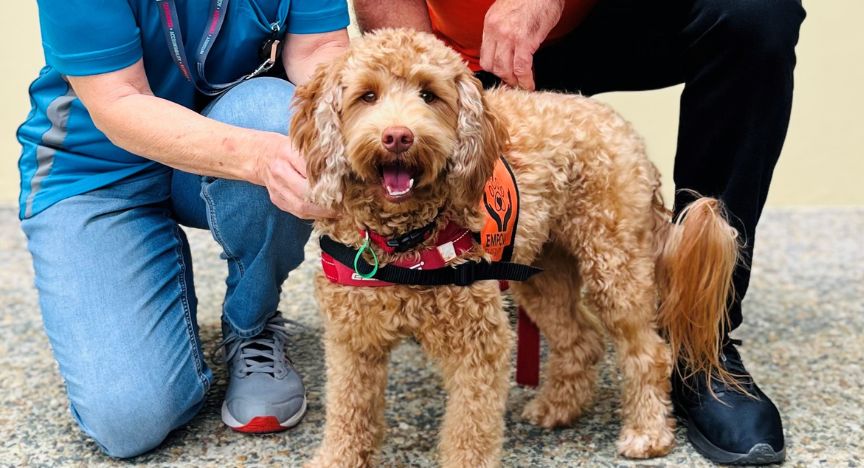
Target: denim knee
(126, 424)
(259, 103)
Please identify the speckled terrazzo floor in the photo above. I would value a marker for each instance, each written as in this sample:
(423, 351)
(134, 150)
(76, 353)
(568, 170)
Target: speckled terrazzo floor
(804, 340)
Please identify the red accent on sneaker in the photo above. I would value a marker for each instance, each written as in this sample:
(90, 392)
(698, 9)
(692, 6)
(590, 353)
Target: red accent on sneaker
(261, 425)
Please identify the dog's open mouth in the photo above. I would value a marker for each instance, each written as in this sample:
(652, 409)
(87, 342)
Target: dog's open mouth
(397, 179)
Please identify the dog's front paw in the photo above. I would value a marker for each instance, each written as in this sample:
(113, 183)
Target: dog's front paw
(321, 461)
(326, 458)
(634, 443)
(546, 413)
(324, 462)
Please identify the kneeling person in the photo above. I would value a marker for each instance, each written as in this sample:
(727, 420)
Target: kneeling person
(116, 156)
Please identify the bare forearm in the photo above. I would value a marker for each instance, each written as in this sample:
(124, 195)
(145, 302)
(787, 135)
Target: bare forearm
(375, 14)
(122, 105)
(160, 130)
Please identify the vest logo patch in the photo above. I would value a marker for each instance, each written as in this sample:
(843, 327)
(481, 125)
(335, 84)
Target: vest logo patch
(501, 203)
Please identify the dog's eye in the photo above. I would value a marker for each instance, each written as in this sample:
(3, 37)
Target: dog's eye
(369, 97)
(428, 96)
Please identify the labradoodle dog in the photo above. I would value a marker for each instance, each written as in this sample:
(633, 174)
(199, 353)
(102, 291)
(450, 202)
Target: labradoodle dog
(399, 134)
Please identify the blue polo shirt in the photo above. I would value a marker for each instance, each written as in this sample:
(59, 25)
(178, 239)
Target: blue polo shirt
(63, 153)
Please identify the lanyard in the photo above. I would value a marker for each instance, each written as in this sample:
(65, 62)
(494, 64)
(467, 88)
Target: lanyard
(174, 38)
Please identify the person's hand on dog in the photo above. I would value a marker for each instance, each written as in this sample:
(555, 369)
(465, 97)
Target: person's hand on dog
(512, 32)
(283, 173)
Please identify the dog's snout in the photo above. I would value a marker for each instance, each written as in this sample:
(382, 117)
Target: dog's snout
(397, 139)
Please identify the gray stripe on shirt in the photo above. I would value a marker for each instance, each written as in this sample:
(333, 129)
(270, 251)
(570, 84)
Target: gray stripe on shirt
(58, 116)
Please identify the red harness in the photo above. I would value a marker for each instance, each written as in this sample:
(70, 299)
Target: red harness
(501, 203)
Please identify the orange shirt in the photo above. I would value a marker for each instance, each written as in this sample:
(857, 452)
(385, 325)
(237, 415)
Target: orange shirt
(459, 23)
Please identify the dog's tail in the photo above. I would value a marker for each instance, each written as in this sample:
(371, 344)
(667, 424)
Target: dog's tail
(696, 255)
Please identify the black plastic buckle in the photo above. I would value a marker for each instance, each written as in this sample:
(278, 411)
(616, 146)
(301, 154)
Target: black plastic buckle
(466, 274)
(409, 240)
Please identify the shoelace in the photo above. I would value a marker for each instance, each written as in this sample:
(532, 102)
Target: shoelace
(733, 342)
(261, 353)
(735, 365)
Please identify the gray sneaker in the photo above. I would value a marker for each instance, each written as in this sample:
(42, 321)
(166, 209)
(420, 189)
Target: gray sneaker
(265, 393)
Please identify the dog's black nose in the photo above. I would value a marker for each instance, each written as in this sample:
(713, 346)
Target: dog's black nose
(397, 139)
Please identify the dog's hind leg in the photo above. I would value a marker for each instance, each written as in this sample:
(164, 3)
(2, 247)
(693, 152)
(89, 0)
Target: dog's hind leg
(552, 300)
(469, 335)
(619, 282)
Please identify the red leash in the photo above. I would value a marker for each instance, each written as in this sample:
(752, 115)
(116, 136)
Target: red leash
(527, 351)
(527, 348)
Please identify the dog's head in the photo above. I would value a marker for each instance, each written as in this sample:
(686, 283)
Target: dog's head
(398, 121)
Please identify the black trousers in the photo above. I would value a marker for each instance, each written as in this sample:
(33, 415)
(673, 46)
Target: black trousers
(735, 58)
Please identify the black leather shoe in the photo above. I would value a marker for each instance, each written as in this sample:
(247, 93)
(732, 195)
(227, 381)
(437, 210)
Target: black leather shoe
(737, 429)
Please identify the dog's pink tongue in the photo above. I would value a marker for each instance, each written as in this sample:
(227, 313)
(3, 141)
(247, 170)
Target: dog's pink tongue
(396, 178)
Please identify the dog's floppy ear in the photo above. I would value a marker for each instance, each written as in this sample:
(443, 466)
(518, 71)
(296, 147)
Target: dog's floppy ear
(481, 141)
(315, 132)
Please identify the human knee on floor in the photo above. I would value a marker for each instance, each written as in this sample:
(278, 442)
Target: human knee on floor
(126, 423)
(766, 28)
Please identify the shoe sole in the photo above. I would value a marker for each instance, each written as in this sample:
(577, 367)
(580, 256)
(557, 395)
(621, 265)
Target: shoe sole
(759, 454)
(262, 424)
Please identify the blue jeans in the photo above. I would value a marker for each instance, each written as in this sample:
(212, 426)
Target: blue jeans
(115, 285)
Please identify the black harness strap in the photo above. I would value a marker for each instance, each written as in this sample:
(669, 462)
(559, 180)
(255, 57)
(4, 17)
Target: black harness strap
(460, 275)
